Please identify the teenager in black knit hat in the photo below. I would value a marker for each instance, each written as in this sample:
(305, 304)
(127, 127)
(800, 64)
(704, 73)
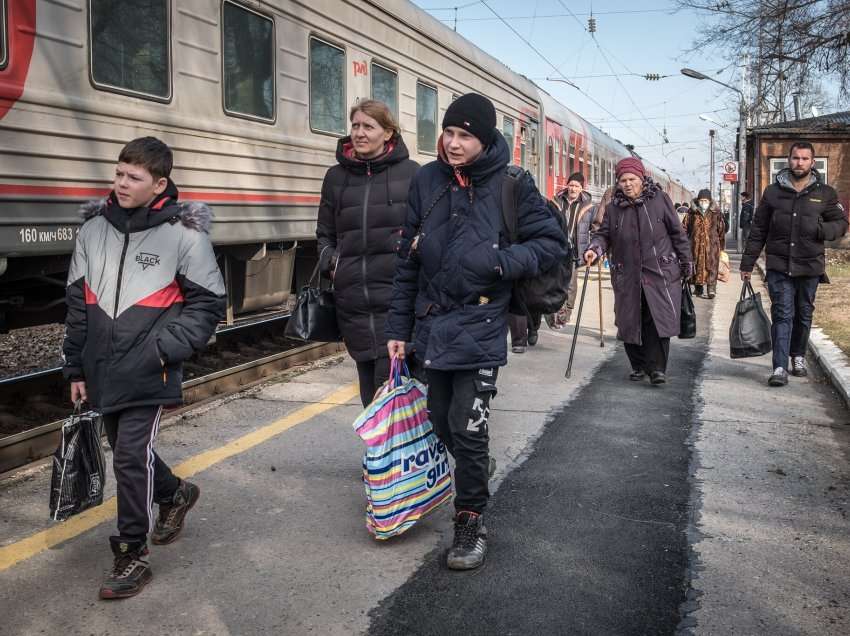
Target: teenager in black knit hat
(451, 293)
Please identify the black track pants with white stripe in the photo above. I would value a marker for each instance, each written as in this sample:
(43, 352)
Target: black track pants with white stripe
(142, 477)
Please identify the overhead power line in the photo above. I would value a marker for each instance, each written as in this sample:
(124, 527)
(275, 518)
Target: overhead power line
(557, 70)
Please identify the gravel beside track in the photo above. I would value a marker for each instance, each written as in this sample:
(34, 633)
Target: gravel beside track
(31, 349)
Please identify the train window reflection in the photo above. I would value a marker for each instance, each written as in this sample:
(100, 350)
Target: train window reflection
(248, 59)
(4, 56)
(327, 88)
(508, 132)
(129, 46)
(385, 87)
(426, 118)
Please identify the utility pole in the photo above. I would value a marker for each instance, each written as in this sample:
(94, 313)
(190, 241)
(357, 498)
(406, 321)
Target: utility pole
(711, 163)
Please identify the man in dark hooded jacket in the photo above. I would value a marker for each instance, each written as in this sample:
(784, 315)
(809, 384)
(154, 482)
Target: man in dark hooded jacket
(794, 218)
(452, 289)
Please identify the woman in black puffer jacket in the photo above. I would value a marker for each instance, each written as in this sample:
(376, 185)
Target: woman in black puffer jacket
(362, 211)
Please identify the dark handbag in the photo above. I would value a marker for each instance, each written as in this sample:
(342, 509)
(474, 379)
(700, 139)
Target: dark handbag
(688, 315)
(79, 466)
(314, 316)
(749, 334)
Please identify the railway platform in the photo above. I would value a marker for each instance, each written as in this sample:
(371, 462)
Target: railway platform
(709, 505)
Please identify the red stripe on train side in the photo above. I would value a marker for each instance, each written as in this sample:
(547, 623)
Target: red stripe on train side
(163, 298)
(21, 30)
(14, 189)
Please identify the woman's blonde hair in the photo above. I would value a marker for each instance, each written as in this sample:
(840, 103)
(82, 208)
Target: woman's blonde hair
(378, 111)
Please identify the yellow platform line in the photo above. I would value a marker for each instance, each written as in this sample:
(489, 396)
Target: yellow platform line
(46, 539)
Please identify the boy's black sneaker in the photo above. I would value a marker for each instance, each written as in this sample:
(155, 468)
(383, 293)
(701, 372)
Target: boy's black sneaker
(130, 571)
(169, 523)
(470, 543)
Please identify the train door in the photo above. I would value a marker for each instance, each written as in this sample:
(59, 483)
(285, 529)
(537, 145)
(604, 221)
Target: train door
(553, 168)
(534, 154)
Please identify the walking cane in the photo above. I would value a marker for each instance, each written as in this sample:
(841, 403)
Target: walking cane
(599, 280)
(578, 321)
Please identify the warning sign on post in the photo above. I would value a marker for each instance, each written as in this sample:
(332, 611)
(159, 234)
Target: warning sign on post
(730, 171)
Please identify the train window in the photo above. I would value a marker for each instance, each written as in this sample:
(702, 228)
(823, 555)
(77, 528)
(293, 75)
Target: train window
(572, 161)
(248, 57)
(129, 46)
(327, 88)
(385, 87)
(508, 132)
(550, 155)
(557, 158)
(426, 118)
(4, 55)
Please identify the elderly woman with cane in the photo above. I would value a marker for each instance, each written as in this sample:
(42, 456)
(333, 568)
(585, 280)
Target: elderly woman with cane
(650, 255)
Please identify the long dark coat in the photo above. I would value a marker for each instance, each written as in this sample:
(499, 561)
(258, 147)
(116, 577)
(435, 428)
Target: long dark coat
(649, 250)
(362, 211)
(456, 266)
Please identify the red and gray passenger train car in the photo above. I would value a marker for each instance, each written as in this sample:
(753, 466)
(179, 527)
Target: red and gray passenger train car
(252, 95)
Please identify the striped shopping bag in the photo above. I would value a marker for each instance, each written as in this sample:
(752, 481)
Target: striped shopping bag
(405, 467)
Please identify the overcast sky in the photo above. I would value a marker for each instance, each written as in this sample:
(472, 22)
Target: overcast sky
(632, 39)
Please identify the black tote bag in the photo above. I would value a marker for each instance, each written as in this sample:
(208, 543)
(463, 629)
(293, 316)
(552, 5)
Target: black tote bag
(79, 466)
(749, 334)
(314, 316)
(688, 315)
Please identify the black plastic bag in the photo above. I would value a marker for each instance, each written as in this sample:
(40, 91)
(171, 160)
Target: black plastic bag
(79, 467)
(314, 316)
(688, 315)
(749, 335)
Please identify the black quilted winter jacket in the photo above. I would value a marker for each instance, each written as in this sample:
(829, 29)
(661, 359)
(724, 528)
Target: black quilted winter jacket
(455, 284)
(144, 293)
(792, 226)
(362, 211)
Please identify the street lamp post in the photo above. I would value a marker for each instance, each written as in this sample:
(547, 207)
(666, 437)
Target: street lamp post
(711, 163)
(742, 144)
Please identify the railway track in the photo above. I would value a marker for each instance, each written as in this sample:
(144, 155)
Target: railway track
(242, 355)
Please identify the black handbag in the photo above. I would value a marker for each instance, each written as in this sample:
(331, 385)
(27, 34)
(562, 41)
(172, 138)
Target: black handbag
(749, 334)
(314, 316)
(688, 314)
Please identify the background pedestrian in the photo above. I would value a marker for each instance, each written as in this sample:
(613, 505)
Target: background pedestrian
(707, 234)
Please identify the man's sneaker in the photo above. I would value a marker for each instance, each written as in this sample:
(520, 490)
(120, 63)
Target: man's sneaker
(532, 338)
(470, 542)
(171, 516)
(798, 367)
(779, 377)
(130, 571)
(518, 349)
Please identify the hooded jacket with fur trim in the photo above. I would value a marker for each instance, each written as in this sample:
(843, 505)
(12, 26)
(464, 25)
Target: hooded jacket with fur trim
(144, 293)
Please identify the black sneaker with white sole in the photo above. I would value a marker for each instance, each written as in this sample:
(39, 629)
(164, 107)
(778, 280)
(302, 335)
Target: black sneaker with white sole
(798, 367)
(169, 523)
(470, 543)
(130, 570)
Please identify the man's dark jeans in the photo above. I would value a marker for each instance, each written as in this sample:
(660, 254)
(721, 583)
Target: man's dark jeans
(792, 305)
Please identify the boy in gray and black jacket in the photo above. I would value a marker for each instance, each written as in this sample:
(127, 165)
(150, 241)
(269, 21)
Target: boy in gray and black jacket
(144, 293)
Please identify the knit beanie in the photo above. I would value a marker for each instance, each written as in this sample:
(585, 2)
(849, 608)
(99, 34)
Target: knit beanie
(632, 165)
(576, 176)
(704, 194)
(475, 114)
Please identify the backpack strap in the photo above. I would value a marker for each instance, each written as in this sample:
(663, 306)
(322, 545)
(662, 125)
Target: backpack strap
(510, 192)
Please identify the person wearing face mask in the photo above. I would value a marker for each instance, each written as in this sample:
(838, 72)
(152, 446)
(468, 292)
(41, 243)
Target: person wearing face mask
(361, 213)
(706, 231)
(649, 255)
(452, 289)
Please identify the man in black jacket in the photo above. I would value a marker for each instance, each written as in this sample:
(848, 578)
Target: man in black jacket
(794, 218)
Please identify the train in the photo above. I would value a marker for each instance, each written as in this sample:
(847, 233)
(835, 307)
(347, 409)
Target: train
(252, 95)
